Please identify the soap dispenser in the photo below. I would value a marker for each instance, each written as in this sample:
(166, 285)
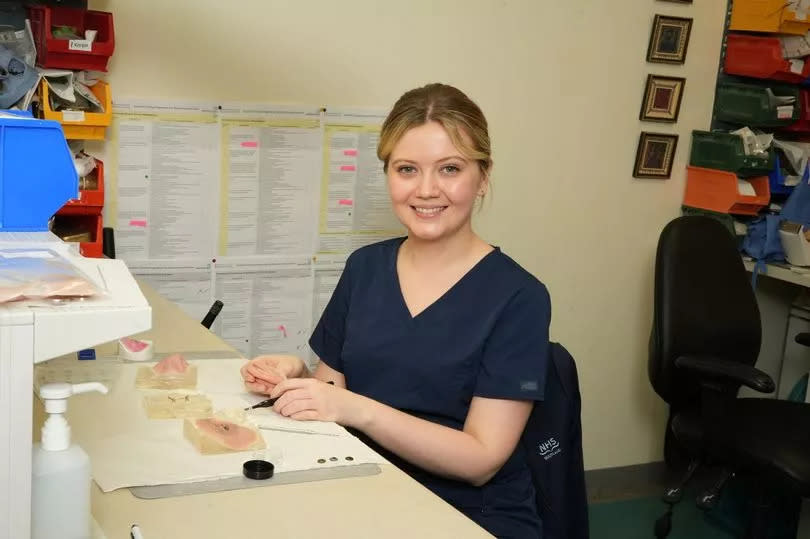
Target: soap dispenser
(60, 484)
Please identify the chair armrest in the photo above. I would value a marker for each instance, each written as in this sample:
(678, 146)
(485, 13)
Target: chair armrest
(729, 371)
(803, 338)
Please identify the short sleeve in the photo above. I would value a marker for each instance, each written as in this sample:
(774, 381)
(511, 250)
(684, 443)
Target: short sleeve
(327, 338)
(516, 353)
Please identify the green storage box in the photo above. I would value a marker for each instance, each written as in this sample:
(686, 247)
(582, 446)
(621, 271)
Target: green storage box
(724, 151)
(756, 105)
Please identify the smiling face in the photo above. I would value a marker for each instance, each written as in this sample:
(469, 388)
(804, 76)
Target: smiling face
(433, 187)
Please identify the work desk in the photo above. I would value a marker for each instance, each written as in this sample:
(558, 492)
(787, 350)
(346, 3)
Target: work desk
(387, 505)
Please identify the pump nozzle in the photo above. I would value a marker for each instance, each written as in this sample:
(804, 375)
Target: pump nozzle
(56, 431)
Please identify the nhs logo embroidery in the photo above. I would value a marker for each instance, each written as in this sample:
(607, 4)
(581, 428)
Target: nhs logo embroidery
(549, 448)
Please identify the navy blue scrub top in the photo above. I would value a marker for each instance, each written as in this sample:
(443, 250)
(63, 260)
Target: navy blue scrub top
(487, 336)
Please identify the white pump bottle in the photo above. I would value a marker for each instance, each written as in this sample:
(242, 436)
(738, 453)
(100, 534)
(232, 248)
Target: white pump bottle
(60, 485)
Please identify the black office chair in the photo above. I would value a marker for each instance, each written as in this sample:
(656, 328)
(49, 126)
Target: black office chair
(705, 341)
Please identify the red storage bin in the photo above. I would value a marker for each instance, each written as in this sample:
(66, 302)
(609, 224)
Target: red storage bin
(91, 188)
(803, 125)
(71, 220)
(760, 57)
(72, 53)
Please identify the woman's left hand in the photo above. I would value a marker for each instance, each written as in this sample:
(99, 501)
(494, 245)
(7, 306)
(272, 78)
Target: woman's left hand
(309, 399)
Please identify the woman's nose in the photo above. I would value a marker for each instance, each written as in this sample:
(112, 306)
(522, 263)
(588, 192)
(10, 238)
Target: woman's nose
(428, 186)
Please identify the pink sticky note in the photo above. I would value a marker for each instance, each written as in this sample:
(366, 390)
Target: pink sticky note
(250, 144)
(138, 222)
(283, 330)
(345, 202)
(349, 168)
(349, 152)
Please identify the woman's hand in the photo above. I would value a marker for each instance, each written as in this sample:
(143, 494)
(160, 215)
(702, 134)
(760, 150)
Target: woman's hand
(263, 373)
(309, 399)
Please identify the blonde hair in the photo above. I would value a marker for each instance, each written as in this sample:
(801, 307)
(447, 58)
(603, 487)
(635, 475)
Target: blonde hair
(452, 109)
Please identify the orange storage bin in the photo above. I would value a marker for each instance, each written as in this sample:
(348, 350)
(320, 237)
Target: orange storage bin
(760, 57)
(82, 125)
(772, 16)
(91, 188)
(717, 190)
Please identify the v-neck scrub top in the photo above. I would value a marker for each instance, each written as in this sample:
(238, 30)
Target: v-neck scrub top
(487, 336)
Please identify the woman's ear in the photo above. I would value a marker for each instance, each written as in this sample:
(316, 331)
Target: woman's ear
(484, 187)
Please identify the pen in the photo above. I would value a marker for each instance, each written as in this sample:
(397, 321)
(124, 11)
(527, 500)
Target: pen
(270, 402)
(135, 532)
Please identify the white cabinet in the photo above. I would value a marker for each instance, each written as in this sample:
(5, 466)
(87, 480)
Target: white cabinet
(32, 334)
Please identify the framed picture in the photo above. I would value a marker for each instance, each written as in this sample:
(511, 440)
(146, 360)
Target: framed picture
(669, 39)
(662, 99)
(654, 156)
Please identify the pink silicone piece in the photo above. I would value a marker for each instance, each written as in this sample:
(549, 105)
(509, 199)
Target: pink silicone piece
(348, 168)
(173, 364)
(250, 144)
(138, 222)
(133, 345)
(345, 202)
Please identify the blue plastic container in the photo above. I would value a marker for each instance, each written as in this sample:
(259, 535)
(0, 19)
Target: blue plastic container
(776, 180)
(37, 175)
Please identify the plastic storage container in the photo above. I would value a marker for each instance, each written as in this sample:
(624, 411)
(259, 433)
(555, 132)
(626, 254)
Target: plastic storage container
(724, 151)
(803, 124)
(795, 244)
(760, 57)
(91, 188)
(72, 53)
(776, 179)
(37, 175)
(82, 225)
(775, 16)
(754, 104)
(78, 124)
(717, 190)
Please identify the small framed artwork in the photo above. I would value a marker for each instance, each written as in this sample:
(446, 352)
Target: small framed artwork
(669, 39)
(654, 156)
(662, 99)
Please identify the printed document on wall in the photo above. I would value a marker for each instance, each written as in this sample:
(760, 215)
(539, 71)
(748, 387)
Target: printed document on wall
(272, 302)
(271, 172)
(355, 205)
(165, 181)
(186, 284)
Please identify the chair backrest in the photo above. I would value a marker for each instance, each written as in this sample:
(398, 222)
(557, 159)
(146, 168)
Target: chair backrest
(703, 305)
(552, 441)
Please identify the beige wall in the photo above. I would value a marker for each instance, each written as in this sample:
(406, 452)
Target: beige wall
(561, 83)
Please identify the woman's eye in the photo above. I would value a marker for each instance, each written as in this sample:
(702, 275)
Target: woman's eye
(406, 169)
(450, 169)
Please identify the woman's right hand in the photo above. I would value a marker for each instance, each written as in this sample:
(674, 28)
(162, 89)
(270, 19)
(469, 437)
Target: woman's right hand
(262, 373)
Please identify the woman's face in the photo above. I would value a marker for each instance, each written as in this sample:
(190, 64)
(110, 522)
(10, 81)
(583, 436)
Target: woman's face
(433, 186)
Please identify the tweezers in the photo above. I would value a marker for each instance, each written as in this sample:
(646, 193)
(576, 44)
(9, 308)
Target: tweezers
(264, 404)
(270, 402)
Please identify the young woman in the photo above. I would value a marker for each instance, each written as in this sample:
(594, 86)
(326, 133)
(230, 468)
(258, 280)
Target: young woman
(437, 342)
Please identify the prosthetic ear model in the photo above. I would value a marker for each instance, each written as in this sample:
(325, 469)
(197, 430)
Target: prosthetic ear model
(173, 372)
(215, 435)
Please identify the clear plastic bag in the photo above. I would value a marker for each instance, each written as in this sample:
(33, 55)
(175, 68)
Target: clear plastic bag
(41, 274)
